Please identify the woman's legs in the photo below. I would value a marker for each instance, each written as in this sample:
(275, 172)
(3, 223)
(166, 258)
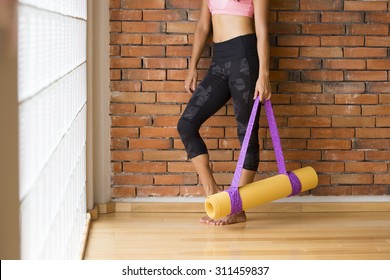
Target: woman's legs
(202, 167)
(228, 78)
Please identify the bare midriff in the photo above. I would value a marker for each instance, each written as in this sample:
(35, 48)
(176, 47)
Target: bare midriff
(226, 27)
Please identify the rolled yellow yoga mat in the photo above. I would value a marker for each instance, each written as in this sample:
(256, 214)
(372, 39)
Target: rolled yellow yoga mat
(218, 205)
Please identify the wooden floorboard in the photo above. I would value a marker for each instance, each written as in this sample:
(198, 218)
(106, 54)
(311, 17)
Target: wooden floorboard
(272, 236)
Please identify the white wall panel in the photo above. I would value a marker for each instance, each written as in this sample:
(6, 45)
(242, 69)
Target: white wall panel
(52, 91)
(50, 46)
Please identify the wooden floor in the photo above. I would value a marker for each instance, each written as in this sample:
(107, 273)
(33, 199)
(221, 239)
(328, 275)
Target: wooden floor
(271, 236)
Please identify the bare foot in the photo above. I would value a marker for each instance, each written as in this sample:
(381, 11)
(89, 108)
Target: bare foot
(239, 217)
(206, 220)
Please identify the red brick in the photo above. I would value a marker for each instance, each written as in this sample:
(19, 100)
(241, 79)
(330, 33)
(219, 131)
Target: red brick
(322, 75)
(181, 167)
(172, 97)
(382, 121)
(136, 4)
(165, 63)
(377, 155)
(384, 99)
(154, 109)
(346, 87)
(142, 27)
(116, 167)
(365, 5)
(160, 144)
(343, 155)
(162, 39)
(378, 64)
(329, 144)
(284, 28)
(367, 29)
(372, 144)
(115, 50)
(158, 191)
(365, 52)
(181, 27)
(331, 191)
(115, 4)
(142, 51)
(300, 87)
(376, 110)
(366, 76)
(299, 16)
(126, 155)
(373, 133)
(145, 97)
(365, 167)
(369, 190)
(156, 155)
(125, 39)
(294, 110)
(327, 167)
(129, 121)
(284, 52)
(183, 4)
(115, 75)
(312, 98)
(125, 86)
(378, 87)
(144, 167)
(321, 5)
(382, 179)
(343, 41)
(284, 5)
(288, 40)
(119, 143)
(299, 64)
(125, 15)
(321, 52)
(162, 86)
(347, 17)
(356, 99)
(143, 74)
(354, 64)
(158, 132)
(309, 122)
(353, 122)
(171, 179)
(123, 192)
(191, 191)
(124, 132)
(115, 26)
(339, 110)
(378, 17)
(125, 62)
(377, 41)
(332, 133)
(323, 29)
(166, 15)
(352, 179)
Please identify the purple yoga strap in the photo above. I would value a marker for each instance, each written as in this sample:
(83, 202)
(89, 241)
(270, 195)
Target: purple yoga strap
(235, 198)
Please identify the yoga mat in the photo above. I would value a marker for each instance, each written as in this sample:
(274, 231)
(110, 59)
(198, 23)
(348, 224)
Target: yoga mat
(236, 198)
(257, 193)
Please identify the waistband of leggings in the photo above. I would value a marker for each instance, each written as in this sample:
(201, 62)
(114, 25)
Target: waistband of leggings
(238, 47)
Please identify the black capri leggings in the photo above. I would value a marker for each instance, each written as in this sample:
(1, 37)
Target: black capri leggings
(233, 74)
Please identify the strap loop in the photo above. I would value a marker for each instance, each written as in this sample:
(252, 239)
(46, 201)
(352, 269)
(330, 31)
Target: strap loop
(235, 198)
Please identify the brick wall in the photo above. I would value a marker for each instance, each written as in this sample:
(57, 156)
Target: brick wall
(330, 76)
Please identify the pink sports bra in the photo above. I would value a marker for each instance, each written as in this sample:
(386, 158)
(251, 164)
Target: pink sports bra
(231, 7)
